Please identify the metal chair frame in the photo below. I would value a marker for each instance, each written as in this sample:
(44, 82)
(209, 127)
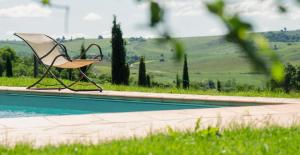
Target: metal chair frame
(65, 55)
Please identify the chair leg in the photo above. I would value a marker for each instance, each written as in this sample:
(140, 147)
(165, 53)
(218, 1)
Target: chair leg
(90, 80)
(84, 76)
(62, 83)
(38, 81)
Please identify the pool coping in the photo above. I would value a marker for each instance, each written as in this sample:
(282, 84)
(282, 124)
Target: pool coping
(95, 128)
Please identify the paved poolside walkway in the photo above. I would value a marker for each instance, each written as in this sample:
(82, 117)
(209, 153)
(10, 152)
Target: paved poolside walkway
(102, 127)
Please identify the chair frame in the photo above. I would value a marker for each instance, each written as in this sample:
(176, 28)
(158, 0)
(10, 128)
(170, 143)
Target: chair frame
(65, 55)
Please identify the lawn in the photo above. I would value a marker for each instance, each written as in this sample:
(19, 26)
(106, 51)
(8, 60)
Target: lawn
(26, 81)
(235, 141)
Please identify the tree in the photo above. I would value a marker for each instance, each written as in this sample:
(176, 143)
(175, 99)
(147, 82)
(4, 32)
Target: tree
(177, 81)
(142, 81)
(185, 75)
(8, 55)
(211, 84)
(83, 56)
(119, 71)
(35, 66)
(8, 65)
(70, 74)
(100, 37)
(127, 74)
(297, 78)
(148, 81)
(219, 86)
(1, 69)
(289, 79)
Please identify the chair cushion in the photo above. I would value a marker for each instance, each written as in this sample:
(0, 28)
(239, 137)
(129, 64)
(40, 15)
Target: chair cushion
(78, 63)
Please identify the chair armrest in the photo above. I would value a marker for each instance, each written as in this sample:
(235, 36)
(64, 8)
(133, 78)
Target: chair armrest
(100, 56)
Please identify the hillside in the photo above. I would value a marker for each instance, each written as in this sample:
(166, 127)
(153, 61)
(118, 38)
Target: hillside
(208, 57)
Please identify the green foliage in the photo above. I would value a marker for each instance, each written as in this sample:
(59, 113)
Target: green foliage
(26, 81)
(271, 140)
(253, 45)
(8, 52)
(211, 84)
(219, 86)
(9, 68)
(83, 69)
(289, 80)
(142, 80)
(35, 66)
(157, 14)
(1, 68)
(71, 75)
(8, 55)
(177, 81)
(119, 69)
(185, 74)
(148, 81)
(45, 2)
(179, 49)
(297, 78)
(127, 74)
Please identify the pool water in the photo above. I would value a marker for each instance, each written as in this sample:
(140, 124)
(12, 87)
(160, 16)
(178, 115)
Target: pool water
(27, 105)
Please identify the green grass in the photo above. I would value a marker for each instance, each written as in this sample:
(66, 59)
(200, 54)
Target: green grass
(26, 81)
(236, 141)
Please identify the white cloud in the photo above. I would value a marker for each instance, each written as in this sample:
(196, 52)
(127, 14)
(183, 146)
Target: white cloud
(184, 7)
(255, 8)
(92, 17)
(25, 10)
(264, 8)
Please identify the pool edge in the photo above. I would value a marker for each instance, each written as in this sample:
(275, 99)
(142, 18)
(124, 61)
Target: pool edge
(160, 96)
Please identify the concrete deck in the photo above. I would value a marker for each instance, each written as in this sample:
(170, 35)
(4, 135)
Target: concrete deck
(101, 127)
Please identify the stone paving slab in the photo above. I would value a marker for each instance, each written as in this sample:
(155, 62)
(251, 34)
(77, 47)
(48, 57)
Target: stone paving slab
(102, 127)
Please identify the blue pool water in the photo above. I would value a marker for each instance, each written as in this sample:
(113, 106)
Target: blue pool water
(26, 105)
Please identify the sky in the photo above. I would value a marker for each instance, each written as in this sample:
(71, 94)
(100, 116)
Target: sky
(90, 18)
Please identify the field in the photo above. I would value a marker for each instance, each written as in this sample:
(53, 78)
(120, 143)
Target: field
(209, 58)
(244, 140)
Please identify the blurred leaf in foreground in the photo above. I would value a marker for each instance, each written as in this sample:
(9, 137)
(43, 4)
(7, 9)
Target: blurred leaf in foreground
(45, 2)
(255, 46)
(157, 13)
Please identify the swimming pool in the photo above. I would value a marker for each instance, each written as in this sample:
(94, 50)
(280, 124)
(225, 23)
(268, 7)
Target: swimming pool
(18, 104)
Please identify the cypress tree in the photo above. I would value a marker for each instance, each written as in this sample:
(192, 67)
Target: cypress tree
(185, 75)
(142, 81)
(35, 67)
(9, 72)
(83, 56)
(1, 69)
(127, 74)
(219, 86)
(177, 81)
(119, 71)
(148, 81)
